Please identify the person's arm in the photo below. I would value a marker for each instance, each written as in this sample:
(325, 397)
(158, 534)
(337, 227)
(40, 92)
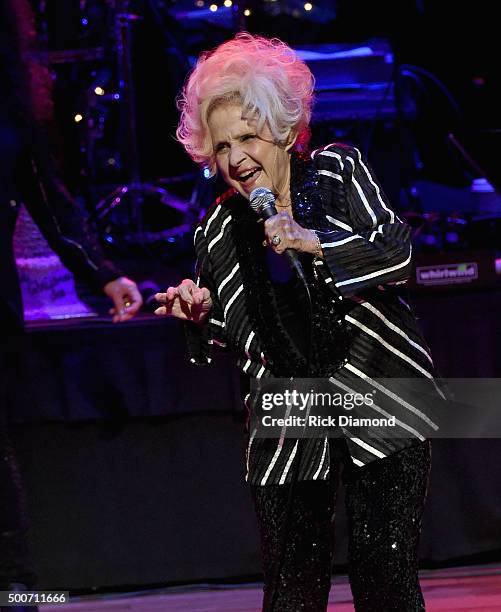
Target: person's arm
(198, 305)
(374, 248)
(66, 229)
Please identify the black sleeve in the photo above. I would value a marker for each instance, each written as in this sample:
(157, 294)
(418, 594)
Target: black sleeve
(375, 248)
(58, 216)
(202, 338)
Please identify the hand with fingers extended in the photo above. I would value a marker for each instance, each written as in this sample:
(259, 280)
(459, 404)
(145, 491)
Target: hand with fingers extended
(187, 301)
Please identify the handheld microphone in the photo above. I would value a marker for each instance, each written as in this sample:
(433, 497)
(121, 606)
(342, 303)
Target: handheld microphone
(262, 201)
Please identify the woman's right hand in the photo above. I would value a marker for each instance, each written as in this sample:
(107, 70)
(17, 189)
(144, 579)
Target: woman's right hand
(187, 301)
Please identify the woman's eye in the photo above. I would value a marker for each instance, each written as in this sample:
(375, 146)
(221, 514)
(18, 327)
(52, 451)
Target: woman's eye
(220, 147)
(247, 137)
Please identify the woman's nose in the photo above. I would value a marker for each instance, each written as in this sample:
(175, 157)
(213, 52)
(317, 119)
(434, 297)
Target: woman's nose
(237, 156)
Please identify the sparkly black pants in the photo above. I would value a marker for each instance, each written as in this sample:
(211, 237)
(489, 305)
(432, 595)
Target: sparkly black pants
(384, 507)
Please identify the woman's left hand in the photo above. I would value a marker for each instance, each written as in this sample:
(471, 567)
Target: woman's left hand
(282, 233)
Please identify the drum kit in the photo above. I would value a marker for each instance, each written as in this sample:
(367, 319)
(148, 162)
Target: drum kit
(132, 212)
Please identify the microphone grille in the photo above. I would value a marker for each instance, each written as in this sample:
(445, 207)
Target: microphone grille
(260, 198)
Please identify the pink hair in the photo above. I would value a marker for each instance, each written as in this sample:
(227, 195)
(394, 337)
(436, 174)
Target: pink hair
(264, 75)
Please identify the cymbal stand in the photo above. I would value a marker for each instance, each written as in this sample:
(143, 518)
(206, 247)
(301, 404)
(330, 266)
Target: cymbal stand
(134, 189)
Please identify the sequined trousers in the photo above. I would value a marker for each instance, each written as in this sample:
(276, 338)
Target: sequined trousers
(384, 507)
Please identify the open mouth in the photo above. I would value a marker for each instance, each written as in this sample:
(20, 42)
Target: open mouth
(243, 178)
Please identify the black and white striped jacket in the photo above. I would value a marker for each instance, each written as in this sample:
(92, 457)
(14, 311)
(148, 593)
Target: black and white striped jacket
(366, 258)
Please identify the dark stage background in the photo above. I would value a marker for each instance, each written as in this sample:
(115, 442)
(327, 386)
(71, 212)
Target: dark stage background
(134, 459)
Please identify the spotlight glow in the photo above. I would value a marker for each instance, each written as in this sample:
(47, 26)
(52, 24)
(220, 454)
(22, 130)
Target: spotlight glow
(308, 6)
(213, 7)
(247, 12)
(228, 3)
(78, 117)
(99, 91)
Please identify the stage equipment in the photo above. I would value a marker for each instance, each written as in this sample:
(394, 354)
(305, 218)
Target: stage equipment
(95, 95)
(480, 150)
(353, 82)
(446, 271)
(135, 193)
(361, 100)
(456, 250)
(235, 13)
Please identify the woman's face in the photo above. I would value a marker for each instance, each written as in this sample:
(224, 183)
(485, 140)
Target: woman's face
(245, 158)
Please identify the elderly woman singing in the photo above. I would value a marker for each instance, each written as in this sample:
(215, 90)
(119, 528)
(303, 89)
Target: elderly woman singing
(245, 113)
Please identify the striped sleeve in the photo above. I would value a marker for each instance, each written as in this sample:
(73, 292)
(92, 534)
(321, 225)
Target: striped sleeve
(201, 338)
(377, 248)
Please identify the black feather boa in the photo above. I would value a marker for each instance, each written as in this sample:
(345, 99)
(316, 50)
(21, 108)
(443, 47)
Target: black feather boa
(330, 333)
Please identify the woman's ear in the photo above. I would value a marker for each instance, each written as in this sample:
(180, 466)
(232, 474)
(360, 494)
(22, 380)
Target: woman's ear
(291, 139)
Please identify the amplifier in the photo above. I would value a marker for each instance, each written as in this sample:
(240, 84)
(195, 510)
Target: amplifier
(455, 270)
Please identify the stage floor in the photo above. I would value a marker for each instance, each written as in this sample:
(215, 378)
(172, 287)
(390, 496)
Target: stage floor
(458, 589)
